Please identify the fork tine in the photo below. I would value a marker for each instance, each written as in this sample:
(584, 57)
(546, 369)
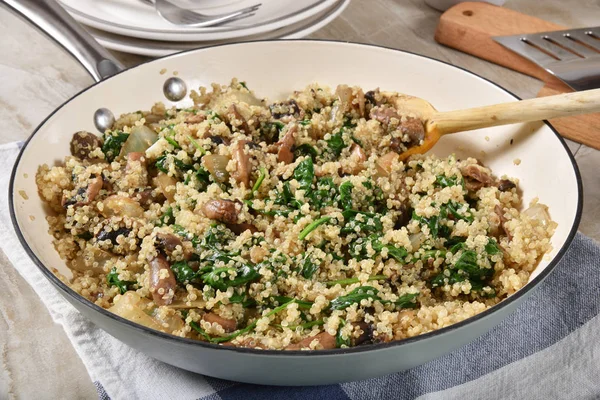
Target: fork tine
(181, 16)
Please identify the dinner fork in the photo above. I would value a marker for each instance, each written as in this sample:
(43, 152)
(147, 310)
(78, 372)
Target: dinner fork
(182, 16)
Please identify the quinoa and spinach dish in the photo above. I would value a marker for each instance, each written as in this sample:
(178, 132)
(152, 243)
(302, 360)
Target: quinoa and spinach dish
(286, 225)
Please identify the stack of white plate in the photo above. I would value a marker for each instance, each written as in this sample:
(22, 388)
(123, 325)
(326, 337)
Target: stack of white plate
(133, 26)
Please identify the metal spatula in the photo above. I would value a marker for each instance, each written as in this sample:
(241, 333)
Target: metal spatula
(573, 55)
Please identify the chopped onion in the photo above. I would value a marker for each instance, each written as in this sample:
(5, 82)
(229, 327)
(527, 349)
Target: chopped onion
(384, 164)
(217, 166)
(166, 185)
(118, 205)
(140, 138)
(538, 212)
(246, 97)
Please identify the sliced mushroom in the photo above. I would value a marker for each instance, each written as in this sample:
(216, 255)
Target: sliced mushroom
(325, 341)
(404, 216)
(133, 159)
(162, 281)
(148, 196)
(228, 325)
(83, 143)
(366, 333)
(289, 109)
(414, 129)
(371, 97)
(476, 177)
(243, 124)
(242, 160)
(384, 163)
(286, 144)
(500, 212)
(169, 242)
(238, 229)
(505, 185)
(84, 195)
(384, 115)
(222, 210)
(219, 140)
(112, 235)
(195, 119)
(120, 205)
(358, 158)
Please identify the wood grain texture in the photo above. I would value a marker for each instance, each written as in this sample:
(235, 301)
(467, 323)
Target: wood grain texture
(584, 128)
(470, 26)
(556, 106)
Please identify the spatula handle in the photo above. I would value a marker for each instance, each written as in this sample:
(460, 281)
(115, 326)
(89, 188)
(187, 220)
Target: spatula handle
(562, 105)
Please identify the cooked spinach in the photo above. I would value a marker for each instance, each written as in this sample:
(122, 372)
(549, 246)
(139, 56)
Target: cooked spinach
(350, 281)
(170, 138)
(243, 299)
(345, 195)
(203, 178)
(167, 218)
(306, 150)
(325, 193)
(285, 197)
(113, 280)
(183, 272)
(261, 177)
(219, 278)
(364, 221)
(452, 207)
(407, 300)
(113, 142)
(492, 247)
(445, 181)
(335, 144)
(369, 292)
(304, 173)
(309, 265)
(436, 227)
(339, 339)
(354, 297)
(312, 226)
(197, 145)
(358, 248)
(302, 304)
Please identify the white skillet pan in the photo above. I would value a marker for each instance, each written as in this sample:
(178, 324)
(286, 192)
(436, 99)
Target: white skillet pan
(274, 69)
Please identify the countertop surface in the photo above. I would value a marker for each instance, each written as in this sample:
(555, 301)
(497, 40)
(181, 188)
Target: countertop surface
(36, 76)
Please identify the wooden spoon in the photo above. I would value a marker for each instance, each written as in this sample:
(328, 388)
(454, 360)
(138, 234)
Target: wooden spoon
(440, 123)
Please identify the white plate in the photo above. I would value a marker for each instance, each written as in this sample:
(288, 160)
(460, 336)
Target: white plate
(136, 18)
(159, 49)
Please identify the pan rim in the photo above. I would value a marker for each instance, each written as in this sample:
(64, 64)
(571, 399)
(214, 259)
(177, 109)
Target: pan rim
(66, 290)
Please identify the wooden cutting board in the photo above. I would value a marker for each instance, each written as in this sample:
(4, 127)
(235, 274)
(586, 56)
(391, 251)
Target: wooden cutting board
(469, 27)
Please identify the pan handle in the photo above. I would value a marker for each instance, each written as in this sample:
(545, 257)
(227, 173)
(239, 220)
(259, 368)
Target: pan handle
(55, 22)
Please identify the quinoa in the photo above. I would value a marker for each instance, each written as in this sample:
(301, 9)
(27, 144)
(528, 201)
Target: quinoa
(287, 225)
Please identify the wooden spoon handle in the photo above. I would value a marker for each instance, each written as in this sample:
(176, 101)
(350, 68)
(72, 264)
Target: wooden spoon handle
(562, 105)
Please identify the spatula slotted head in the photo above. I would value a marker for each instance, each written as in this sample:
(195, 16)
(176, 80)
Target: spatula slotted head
(573, 55)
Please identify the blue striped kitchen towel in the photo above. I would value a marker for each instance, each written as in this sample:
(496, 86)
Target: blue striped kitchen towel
(547, 349)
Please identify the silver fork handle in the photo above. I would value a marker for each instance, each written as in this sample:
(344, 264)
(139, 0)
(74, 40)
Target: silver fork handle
(54, 21)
